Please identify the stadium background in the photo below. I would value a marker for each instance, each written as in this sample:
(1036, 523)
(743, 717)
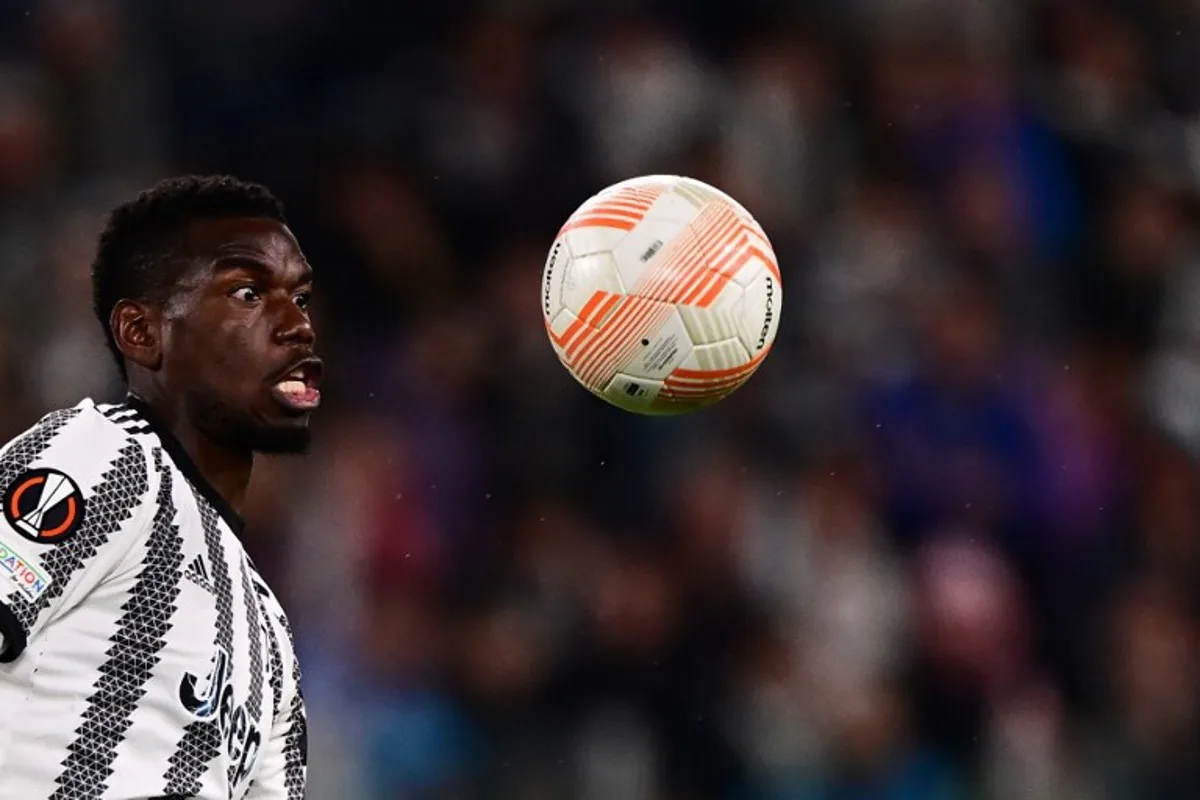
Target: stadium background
(944, 545)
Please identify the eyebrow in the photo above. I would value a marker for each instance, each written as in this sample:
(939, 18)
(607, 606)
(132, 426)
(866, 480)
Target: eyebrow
(238, 261)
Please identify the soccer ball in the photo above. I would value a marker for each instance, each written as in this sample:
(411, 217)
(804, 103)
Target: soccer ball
(661, 295)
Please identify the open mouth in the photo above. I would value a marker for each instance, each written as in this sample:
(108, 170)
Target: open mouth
(300, 388)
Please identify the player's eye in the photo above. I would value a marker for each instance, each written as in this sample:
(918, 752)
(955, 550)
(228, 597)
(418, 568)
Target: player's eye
(303, 299)
(247, 294)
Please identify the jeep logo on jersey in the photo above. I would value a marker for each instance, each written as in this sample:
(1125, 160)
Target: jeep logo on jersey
(211, 700)
(44, 506)
(203, 698)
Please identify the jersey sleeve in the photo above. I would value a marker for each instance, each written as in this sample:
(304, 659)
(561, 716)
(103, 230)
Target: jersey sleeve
(283, 773)
(76, 497)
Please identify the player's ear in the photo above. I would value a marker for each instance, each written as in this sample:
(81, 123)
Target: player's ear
(137, 327)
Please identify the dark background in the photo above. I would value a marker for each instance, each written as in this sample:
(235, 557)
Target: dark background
(943, 545)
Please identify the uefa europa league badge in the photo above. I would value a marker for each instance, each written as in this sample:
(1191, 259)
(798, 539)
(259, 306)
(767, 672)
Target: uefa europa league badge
(44, 506)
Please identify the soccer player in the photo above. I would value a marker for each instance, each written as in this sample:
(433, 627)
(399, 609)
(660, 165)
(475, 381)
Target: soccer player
(141, 654)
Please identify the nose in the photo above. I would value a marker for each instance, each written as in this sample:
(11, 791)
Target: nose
(295, 327)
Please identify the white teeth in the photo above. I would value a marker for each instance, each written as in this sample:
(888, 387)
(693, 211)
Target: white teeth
(292, 387)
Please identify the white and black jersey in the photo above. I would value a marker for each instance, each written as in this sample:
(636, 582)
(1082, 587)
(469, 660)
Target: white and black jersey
(141, 654)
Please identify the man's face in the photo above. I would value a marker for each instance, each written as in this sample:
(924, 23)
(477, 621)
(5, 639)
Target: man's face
(237, 339)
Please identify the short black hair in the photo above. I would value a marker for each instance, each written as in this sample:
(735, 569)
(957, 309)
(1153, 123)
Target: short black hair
(139, 252)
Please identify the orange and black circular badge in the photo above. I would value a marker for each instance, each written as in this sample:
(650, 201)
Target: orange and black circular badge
(44, 506)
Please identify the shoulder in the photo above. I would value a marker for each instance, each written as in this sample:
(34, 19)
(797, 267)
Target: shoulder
(98, 454)
(87, 437)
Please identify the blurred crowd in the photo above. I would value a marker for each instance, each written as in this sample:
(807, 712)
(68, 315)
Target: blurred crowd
(944, 546)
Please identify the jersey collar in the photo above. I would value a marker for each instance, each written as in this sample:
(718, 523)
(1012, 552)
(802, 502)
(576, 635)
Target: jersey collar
(185, 464)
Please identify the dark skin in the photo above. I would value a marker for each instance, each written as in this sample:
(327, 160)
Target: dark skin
(208, 360)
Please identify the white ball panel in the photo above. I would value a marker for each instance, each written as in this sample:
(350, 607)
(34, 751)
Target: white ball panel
(708, 325)
(662, 352)
(673, 207)
(593, 239)
(747, 274)
(727, 354)
(587, 275)
(728, 298)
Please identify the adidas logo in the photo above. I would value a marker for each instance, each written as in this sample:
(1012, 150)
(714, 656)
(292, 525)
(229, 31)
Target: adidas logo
(197, 573)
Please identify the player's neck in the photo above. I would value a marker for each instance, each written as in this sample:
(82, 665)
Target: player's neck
(226, 470)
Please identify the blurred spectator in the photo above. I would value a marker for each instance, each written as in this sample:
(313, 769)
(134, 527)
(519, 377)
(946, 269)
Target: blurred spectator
(1154, 713)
